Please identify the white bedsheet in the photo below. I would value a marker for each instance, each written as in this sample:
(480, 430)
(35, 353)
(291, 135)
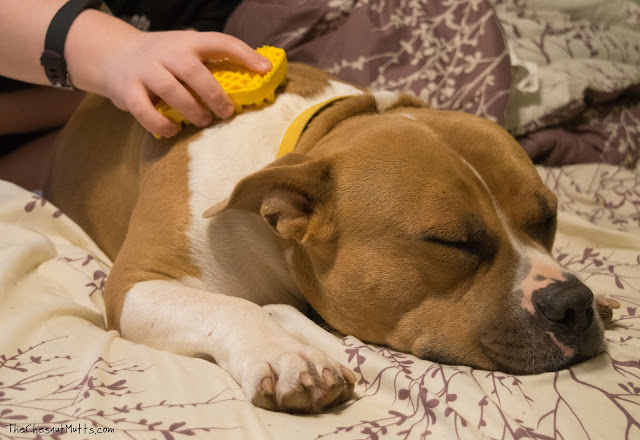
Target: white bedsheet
(59, 367)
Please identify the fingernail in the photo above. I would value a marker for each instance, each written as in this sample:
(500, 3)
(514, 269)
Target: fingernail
(227, 110)
(172, 132)
(265, 64)
(206, 120)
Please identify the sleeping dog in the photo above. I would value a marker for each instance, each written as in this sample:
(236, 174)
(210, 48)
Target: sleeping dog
(428, 231)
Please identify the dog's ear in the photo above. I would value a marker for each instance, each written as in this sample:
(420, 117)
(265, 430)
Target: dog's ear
(286, 194)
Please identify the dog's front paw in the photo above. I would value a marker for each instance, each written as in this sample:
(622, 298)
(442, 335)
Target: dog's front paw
(298, 379)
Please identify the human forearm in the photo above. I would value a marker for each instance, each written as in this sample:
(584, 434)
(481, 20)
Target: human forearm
(107, 56)
(22, 35)
(23, 26)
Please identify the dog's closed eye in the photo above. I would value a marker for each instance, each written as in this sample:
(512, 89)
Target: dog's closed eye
(460, 253)
(471, 238)
(461, 245)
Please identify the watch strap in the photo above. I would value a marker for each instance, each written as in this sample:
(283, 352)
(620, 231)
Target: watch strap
(52, 58)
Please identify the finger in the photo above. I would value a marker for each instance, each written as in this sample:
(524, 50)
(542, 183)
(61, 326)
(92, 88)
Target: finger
(215, 46)
(167, 87)
(199, 78)
(139, 105)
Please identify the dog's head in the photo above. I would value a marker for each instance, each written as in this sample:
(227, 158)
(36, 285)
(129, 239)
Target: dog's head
(428, 231)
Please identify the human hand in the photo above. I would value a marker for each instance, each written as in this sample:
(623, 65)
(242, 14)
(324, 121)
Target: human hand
(142, 66)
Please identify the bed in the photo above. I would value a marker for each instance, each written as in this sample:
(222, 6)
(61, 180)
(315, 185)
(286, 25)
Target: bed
(562, 78)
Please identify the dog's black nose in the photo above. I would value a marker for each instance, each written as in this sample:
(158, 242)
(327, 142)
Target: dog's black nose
(568, 304)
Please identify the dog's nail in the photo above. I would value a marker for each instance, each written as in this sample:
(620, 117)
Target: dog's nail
(328, 377)
(348, 374)
(306, 379)
(267, 385)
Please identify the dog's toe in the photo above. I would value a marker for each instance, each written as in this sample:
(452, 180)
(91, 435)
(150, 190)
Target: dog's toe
(312, 395)
(265, 396)
(349, 384)
(605, 308)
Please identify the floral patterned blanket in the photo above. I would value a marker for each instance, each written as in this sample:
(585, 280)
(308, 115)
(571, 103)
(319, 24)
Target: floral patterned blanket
(64, 376)
(561, 75)
(556, 73)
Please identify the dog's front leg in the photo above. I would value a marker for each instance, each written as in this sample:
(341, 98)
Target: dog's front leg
(276, 371)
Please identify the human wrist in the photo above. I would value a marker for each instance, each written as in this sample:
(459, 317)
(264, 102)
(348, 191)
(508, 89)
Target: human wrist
(93, 36)
(52, 58)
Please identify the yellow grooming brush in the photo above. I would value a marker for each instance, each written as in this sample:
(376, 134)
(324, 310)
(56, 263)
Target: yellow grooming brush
(244, 87)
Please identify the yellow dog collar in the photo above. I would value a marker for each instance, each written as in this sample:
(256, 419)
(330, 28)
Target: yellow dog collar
(293, 133)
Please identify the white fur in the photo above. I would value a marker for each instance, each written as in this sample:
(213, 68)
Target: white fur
(241, 336)
(385, 99)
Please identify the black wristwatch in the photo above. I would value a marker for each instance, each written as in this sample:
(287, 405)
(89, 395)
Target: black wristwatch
(52, 58)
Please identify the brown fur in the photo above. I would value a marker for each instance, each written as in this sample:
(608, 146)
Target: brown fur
(98, 187)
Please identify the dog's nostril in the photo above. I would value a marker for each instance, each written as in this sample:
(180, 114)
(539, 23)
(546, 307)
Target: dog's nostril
(571, 318)
(568, 317)
(558, 314)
